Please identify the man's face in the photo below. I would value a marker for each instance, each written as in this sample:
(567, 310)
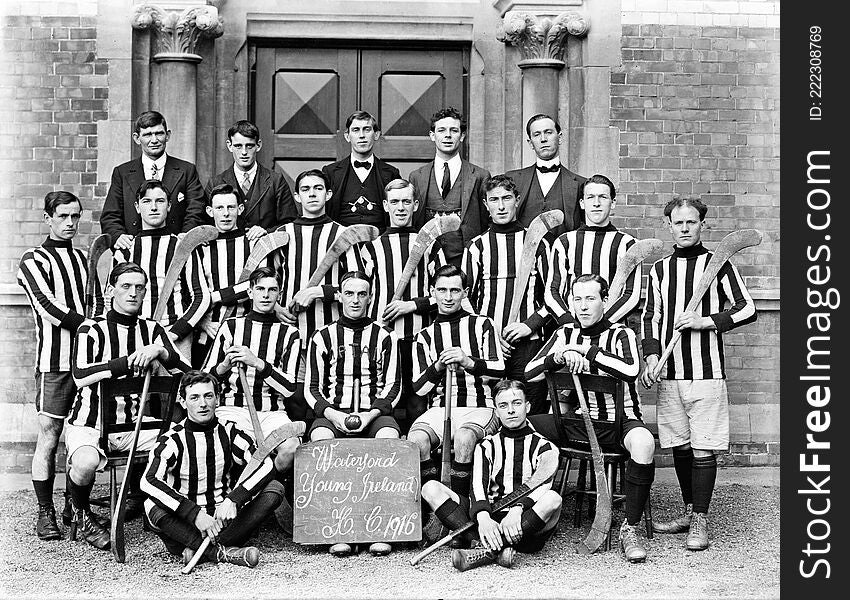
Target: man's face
(449, 293)
(153, 208)
(511, 408)
(244, 151)
(545, 139)
(312, 195)
(355, 296)
(686, 226)
(224, 208)
(128, 293)
(501, 204)
(200, 402)
(401, 205)
(597, 204)
(152, 140)
(447, 136)
(362, 136)
(588, 304)
(64, 222)
(264, 294)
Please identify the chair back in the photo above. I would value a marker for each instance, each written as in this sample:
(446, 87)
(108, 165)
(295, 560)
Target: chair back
(162, 396)
(562, 387)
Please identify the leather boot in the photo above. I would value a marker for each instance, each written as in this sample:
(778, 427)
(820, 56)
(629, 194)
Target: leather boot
(46, 527)
(83, 523)
(464, 560)
(698, 533)
(248, 556)
(680, 524)
(633, 550)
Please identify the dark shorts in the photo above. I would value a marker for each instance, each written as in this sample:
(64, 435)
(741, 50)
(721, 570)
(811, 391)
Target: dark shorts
(375, 426)
(546, 426)
(54, 394)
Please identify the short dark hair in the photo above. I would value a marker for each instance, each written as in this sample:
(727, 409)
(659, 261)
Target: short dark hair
(502, 181)
(588, 277)
(698, 204)
(450, 271)
(194, 377)
(57, 198)
(244, 128)
(149, 118)
(362, 115)
(312, 173)
(125, 267)
(261, 273)
(509, 384)
(448, 112)
(151, 184)
(600, 179)
(399, 184)
(538, 117)
(222, 189)
(355, 274)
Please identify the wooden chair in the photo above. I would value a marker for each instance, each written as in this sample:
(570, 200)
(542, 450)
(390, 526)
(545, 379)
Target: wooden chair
(561, 385)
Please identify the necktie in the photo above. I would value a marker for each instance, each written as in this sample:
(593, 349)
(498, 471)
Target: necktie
(447, 181)
(246, 183)
(154, 171)
(361, 165)
(549, 169)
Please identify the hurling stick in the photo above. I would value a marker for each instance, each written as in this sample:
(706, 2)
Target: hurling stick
(249, 402)
(631, 260)
(537, 230)
(275, 439)
(99, 245)
(728, 246)
(446, 465)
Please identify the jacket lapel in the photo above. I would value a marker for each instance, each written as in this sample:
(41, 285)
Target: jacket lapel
(261, 185)
(171, 176)
(136, 175)
(523, 184)
(467, 180)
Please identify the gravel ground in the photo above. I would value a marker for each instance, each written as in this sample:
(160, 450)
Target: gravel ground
(742, 562)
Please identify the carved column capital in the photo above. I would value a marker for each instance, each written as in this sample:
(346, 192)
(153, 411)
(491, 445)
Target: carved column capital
(540, 39)
(177, 33)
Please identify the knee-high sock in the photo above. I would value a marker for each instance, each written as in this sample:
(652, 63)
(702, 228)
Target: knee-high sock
(704, 473)
(451, 514)
(428, 470)
(460, 477)
(639, 479)
(252, 515)
(80, 494)
(44, 491)
(683, 463)
(530, 522)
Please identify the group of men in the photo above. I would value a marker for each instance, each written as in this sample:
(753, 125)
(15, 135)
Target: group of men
(346, 355)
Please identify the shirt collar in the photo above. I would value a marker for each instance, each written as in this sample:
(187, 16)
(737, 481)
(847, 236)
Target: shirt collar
(49, 243)
(120, 318)
(548, 163)
(159, 162)
(240, 174)
(370, 160)
(454, 163)
(690, 252)
(596, 328)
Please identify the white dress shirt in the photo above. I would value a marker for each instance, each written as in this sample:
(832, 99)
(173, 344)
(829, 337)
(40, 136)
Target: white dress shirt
(362, 173)
(547, 180)
(147, 165)
(454, 170)
(240, 174)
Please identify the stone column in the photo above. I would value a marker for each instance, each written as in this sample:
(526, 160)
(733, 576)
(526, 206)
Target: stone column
(542, 41)
(174, 79)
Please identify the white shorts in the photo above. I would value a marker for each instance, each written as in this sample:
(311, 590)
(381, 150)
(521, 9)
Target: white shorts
(269, 419)
(483, 421)
(77, 436)
(693, 411)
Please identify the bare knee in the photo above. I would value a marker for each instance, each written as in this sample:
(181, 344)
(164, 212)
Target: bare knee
(434, 493)
(422, 441)
(321, 433)
(84, 464)
(464, 444)
(641, 445)
(387, 433)
(548, 505)
(286, 455)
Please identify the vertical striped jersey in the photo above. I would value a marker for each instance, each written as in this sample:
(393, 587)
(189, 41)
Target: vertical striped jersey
(672, 280)
(584, 251)
(502, 463)
(384, 260)
(194, 467)
(102, 351)
(612, 350)
(222, 261)
(491, 261)
(476, 336)
(54, 277)
(347, 350)
(276, 343)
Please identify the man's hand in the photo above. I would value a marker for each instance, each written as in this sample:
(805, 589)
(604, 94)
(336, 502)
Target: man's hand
(397, 308)
(691, 320)
(489, 532)
(646, 377)
(215, 297)
(304, 298)
(366, 419)
(515, 332)
(207, 525)
(574, 362)
(510, 525)
(455, 356)
(225, 512)
(337, 418)
(141, 359)
(255, 233)
(283, 314)
(124, 242)
(242, 355)
(181, 235)
(507, 349)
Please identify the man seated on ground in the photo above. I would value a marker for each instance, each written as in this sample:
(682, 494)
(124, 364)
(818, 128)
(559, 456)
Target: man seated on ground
(592, 344)
(496, 472)
(189, 501)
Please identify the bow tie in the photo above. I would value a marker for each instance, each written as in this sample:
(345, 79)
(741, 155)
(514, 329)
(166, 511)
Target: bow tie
(362, 165)
(549, 169)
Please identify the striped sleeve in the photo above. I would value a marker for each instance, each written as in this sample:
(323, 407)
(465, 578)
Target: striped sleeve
(557, 281)
(162, 461)
(742, 309)
(33, 277)
(652, 312)
(480, 482)
(425, 374)
(622, 364)
(390, 376)
(544, 360)
(471, 265)
(630, 298)
(195, 285)
(87, 370)
(316, 376)
(538, 318)
(242, 447)
(282, 371)
(494, 364)
(173, 358)
(223, 340)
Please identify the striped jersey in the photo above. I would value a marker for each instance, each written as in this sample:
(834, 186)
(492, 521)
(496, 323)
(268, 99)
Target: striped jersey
(222, 261)
(54, 277)
(347, 350)
(195, 466)
(672, 280)
(502, 463)
(491, 261)
(476, 336)
(153, 250)
(588, 250)
(309, 241)
(612, 350)
(274, 342)
(383, 261)
(102, 350)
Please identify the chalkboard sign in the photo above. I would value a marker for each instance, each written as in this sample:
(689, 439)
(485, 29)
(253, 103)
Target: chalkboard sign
(357, 490)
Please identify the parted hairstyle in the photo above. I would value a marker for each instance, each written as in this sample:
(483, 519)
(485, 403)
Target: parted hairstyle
(698, 204)
(502, 181)
(125, 267)
(54, 199)
(263, 272)
(149, 118)
(603, 180)
(244, 128)
(450, 271)
(222, 189)
(399, 184)
(538, 117)
(312, 173)
(362, 115)
(448, 112)
(152, 184)
(587, 277)
(356, 274)
(195, 376)
(509, 384)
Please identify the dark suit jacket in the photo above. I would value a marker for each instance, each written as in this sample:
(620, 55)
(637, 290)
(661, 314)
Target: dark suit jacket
(571, 190)
(474, 219)
(272, 203)
(337, 172)
(179, 177)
